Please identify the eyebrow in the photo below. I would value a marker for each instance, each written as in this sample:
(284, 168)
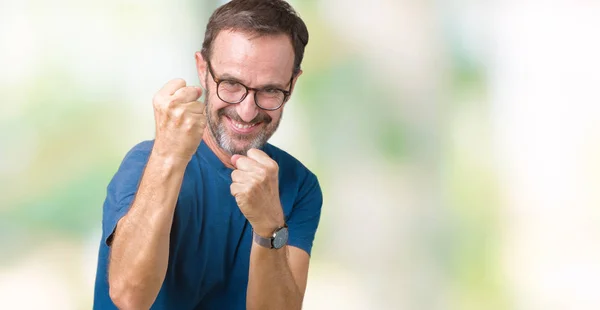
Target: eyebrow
(229, 77)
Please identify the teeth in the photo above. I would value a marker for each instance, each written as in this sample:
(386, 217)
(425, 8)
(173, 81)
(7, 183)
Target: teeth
(241, 126)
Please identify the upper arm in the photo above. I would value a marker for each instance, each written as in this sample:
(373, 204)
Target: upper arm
(304, 218)
(123, 187)
(303, 222)
(298, 261)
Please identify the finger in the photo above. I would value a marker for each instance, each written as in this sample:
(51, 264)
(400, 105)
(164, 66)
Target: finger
(234, 159)
(239, 176)
(196, 121)
(261, 157)
(187, 94)
(172, 86)
(236, 188)
(245, 163)
(195, 107)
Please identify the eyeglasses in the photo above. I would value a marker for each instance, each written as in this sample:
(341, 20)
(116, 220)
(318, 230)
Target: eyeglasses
(232, 92)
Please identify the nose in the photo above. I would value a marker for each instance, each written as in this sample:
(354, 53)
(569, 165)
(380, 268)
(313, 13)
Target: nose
(247, 109)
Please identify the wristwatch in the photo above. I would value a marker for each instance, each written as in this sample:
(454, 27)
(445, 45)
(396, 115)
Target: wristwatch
(276, 241)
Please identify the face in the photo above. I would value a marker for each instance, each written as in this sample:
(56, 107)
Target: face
(257, 62)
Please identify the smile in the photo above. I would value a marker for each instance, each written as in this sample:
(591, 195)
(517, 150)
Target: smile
(241, 127)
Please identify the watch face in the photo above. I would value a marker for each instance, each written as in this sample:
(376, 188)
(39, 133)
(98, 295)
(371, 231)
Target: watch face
(281, 237)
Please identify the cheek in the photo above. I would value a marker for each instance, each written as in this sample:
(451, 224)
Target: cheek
(215, 104)
(275, 116)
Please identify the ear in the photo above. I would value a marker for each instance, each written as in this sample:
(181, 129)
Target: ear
(294, 84)
(201, 68)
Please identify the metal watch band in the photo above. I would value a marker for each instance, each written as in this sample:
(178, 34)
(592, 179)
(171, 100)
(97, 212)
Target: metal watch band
(264, 242)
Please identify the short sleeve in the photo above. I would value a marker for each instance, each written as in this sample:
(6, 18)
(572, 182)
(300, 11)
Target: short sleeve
(306, 213)
(122, 188)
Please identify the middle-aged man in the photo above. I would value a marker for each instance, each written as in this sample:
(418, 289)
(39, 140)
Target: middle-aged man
(215, 217)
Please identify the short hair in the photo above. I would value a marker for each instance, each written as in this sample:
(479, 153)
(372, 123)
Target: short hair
(261, 17)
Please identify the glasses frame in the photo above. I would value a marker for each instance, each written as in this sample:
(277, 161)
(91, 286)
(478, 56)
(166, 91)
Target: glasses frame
(218, 81)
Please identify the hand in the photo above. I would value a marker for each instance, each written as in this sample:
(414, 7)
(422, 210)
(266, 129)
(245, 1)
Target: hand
(180, 121)
(255, 187)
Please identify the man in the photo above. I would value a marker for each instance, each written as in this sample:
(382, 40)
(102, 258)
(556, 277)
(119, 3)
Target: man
(208, 215)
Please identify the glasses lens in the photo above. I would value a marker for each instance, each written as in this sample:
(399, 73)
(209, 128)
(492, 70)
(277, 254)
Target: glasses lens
(231, 92)
(270, 98)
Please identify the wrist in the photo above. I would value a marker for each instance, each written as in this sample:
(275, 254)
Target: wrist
(267, 230)
(168, 160)
(276, 240)
(166, 166)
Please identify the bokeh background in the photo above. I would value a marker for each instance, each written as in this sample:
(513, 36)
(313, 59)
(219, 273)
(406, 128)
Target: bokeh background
(457, 144)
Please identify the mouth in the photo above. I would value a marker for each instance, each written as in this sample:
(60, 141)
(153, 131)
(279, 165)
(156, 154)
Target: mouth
(242, 128)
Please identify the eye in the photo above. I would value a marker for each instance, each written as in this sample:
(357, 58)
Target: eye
(229, 83)
(231, 86)
(271, 91)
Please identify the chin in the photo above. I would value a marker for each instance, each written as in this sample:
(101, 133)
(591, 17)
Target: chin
(235, 145)
(242, 147)
(238, 148)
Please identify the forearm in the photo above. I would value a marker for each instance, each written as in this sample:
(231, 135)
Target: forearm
(140, 250)
(271, 284)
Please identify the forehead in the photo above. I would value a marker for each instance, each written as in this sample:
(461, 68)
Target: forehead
(253, 58)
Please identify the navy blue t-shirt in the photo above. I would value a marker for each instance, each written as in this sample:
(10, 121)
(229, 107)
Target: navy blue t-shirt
(210, 242)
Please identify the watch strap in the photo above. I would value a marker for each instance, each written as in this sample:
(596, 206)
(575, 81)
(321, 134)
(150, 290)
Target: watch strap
(264, 242)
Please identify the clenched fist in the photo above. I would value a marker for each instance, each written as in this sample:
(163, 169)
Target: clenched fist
(255, 186)
(180, 120)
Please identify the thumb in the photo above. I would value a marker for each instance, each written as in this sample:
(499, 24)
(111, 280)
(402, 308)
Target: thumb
(234, 159)
(200, 91)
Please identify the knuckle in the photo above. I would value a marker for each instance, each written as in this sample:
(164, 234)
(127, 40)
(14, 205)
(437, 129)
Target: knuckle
(186, 92)
(190, 124)
(178, 81)
(158, 100)
(171, 103)
(272, 165)
(262, 174)
(182, 92)
(177, 114)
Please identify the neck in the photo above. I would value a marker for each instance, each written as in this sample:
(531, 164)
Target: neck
(223, 155)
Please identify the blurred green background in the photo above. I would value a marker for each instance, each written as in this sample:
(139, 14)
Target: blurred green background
(457, 144)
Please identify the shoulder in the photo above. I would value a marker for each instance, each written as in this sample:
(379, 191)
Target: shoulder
(140, 150)
(130, 170)
(285, 160)
(290, 168)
